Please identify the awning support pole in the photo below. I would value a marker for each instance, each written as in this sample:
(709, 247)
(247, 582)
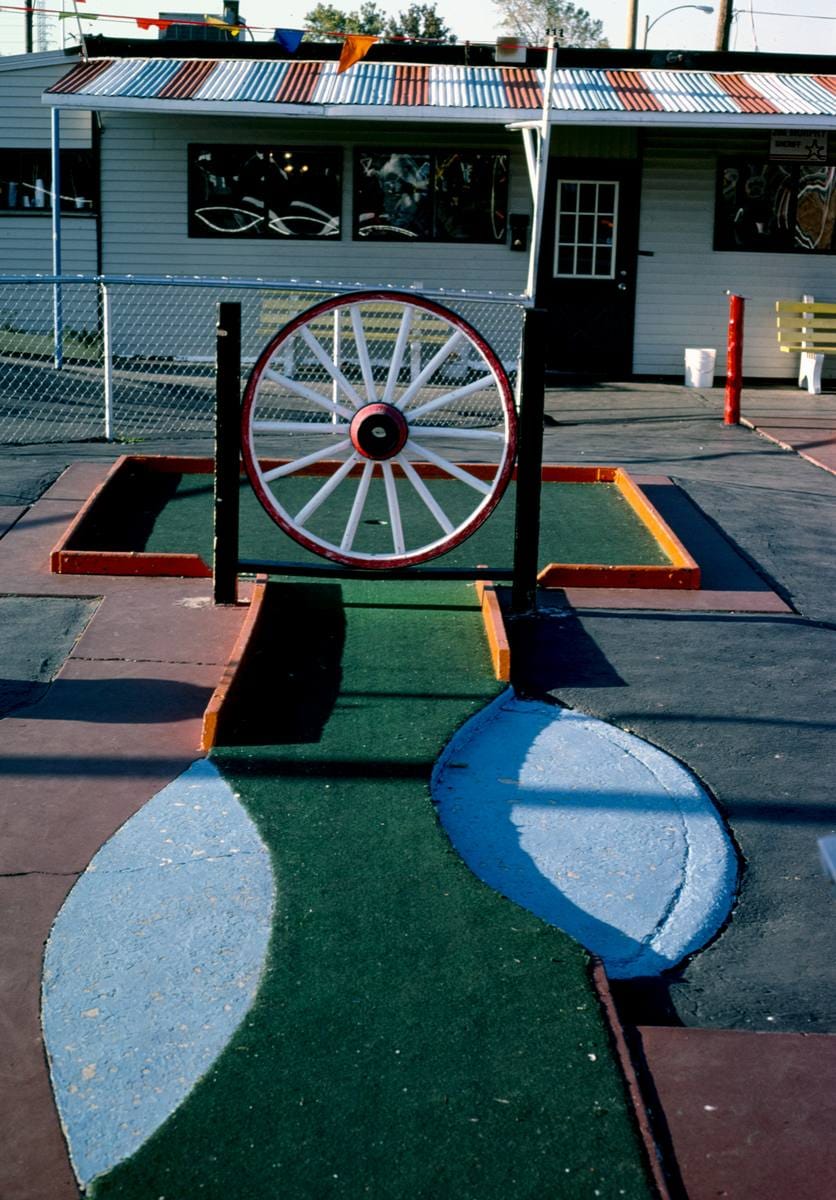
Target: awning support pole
(55, 190)
(541, 167)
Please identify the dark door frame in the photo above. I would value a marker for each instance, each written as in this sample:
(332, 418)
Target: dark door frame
(555, 295)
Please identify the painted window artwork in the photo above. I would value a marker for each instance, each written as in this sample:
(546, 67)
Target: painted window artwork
(776, 206)
(26, 182)
(264, 191)
(471, 196)
(447, 196)
(393, 196)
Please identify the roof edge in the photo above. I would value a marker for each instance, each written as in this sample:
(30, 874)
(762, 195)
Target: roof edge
(480, 54)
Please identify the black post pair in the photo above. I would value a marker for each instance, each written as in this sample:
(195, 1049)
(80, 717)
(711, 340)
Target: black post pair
(227, 473)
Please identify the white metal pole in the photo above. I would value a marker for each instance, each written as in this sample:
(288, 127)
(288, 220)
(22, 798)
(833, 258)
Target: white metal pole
(107, 364)
(542, 163)
(55, 190)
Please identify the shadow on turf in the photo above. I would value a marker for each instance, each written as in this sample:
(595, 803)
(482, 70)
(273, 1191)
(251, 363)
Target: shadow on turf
(290, 681)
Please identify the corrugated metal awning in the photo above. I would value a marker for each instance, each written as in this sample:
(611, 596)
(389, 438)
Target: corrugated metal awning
(480, 94)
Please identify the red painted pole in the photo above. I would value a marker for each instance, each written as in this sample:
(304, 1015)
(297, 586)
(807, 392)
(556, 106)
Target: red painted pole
(734, 361)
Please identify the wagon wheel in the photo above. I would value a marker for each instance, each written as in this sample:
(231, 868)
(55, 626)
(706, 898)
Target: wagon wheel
(378, 429)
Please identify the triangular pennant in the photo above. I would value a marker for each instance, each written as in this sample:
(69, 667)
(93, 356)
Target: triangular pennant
(217, 23)
(152, 23)
(289, 39)
(356, 46)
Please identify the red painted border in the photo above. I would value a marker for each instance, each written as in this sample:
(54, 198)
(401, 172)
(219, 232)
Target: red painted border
(215, 709)
(67, 559)
(601, 984)
(683, 572)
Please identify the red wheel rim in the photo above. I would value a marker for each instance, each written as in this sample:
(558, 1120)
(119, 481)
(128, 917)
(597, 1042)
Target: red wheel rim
(405, 467)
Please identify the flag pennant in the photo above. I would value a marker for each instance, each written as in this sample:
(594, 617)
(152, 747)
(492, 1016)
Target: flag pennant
(152, 22)
(355, 47)
(289, 39)
(218, 23)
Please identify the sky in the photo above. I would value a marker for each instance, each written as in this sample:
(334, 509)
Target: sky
(771, 25)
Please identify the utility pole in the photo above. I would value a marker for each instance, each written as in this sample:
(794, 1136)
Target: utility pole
(632, 18)
(725, 15)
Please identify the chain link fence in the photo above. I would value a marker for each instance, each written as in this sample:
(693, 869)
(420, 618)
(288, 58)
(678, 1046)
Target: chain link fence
(130, 358)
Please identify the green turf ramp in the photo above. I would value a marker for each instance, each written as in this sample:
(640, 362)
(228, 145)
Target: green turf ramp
(415, 1035)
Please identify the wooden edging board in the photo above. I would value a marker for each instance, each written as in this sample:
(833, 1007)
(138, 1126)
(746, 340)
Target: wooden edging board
(70, 558)
(213, 713)
(682, 572)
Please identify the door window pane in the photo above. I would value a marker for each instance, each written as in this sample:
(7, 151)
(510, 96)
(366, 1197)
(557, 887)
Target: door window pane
(585, 261)
(586, 229)
(568, 227)
(586, 202)
(566, 260)
(586, 226)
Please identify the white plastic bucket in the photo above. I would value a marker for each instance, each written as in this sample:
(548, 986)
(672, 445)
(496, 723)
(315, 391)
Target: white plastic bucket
(699, 368)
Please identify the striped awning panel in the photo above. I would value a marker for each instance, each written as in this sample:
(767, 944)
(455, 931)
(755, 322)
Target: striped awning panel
(514, 89)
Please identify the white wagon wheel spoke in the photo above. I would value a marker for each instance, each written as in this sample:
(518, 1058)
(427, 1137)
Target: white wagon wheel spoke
(399, 358)
(394, 508)
(450, 468)
(426, 495)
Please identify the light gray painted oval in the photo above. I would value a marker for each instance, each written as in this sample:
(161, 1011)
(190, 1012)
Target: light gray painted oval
(152, 963)
(591, 828)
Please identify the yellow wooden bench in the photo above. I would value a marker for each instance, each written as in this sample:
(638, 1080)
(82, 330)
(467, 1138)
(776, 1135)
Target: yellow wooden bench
(807, 328)
(381, 331)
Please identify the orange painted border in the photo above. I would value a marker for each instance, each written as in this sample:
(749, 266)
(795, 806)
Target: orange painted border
(683, 571)
(214, 713)
(498, 645)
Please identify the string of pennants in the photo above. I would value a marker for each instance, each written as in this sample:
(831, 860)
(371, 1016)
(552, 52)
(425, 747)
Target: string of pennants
(355, 45)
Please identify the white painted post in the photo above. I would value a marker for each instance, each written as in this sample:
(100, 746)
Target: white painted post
(107, 365)
(541, 167)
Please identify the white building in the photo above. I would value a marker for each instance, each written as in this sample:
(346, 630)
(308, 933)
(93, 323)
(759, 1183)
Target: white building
(674, 179)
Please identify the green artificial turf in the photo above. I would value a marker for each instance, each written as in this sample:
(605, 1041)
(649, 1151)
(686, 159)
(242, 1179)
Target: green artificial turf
(162, 513)
(415, 1035)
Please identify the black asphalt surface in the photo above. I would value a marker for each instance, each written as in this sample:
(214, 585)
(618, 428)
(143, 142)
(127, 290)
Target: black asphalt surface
(745, 700)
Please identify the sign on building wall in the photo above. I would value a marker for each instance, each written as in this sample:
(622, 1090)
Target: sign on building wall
(799, 147)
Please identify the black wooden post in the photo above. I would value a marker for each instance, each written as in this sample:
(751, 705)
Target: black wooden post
(529, 463)
(227, 470)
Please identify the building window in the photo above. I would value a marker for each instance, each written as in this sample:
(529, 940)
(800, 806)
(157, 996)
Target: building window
(776, 206)
(441, 196)
(26, 182)
(586, 229)
(264, 191)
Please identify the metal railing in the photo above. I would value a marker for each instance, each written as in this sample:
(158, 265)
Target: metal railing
(133, 357)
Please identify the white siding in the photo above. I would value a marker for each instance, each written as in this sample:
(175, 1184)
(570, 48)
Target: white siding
(24, 120)
(681, 295)
(26, 241)
(144, 208)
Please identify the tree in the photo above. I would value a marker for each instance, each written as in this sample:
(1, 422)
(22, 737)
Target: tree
(419, 21)
(325, 19)
(529, 19)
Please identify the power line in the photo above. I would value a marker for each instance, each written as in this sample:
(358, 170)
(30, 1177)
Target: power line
(760, 12)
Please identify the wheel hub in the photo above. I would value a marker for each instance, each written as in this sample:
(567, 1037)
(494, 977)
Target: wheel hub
(378, 431)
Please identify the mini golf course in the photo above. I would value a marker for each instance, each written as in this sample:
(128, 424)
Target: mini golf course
(414, 1033)
(158, 508)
